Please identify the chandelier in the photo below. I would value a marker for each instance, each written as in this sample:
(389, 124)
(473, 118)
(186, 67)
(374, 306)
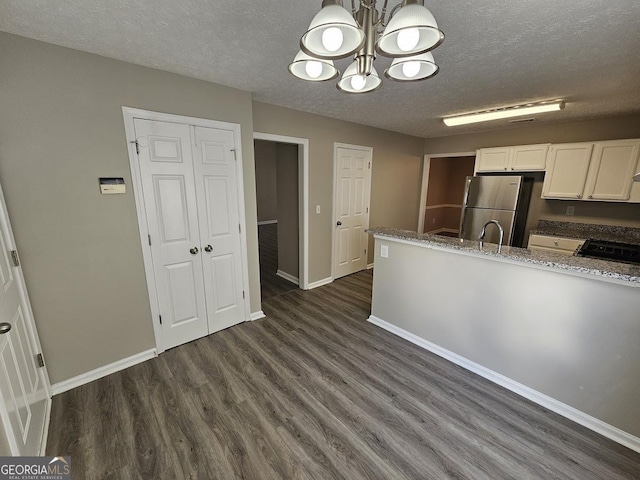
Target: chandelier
(407, 35)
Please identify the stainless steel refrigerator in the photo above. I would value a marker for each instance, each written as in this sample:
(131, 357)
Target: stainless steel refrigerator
(504, 198)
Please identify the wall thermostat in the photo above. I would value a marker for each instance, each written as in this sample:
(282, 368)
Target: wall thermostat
(110, 185)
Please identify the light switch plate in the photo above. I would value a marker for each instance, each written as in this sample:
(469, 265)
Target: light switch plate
(384, 251)
(317, 208)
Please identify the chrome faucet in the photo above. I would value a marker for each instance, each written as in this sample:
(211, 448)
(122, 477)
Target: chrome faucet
(483, 232)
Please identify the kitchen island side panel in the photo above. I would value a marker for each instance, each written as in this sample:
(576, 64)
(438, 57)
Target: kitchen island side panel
(573, 338)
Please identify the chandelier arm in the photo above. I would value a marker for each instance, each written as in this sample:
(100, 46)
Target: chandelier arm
(383, 13)
(365, 4)
(393, 11)
(353, 7)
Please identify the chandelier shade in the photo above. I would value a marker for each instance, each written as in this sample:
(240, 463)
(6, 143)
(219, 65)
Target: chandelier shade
(353, 82)
(312, 69)
(412, 69)
(411, 31)
(333, 33)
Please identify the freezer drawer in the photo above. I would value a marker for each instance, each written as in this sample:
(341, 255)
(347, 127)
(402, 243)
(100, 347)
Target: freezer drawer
(474, 218)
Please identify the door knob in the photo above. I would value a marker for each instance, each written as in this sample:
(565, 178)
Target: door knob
(208, 248)
(4, 327)
(339, 223)
(194, 250)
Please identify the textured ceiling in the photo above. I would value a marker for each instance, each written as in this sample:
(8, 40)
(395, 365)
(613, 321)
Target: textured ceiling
(496, 53)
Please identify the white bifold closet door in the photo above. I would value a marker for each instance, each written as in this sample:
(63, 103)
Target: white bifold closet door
(191, 203)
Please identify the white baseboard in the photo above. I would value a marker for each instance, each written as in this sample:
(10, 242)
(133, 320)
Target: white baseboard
(257, 315)
(65, 385)
(267, 222)
(592, 423)
(370, 266)
(320, 283)
(288, 276)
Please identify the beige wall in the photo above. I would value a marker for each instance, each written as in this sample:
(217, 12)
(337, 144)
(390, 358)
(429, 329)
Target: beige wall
(60, 130)
(589, 130)
(288, 216)
(396, 173)
(266, 184)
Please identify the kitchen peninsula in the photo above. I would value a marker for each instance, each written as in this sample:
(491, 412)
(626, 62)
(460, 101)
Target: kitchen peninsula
(562, 331)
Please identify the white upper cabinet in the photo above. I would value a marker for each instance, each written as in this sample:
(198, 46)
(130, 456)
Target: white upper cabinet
(529, 158)
(493, 159)
(567, 168)
(612, 167)
(524, 158)
(592, 171)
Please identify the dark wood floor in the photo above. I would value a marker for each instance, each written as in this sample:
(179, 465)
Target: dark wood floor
(271, 285)
(314, 391)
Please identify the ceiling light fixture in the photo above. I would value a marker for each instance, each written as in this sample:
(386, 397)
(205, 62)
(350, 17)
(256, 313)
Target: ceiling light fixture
(407, 34)
(506, 112)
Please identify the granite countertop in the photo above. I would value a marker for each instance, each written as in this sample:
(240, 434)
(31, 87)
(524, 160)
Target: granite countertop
(609, 233)
(590, 266)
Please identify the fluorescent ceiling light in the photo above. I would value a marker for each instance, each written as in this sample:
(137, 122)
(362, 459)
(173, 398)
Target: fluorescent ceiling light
(508, 112)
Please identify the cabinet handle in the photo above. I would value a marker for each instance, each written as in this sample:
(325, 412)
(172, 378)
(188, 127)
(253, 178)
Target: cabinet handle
(590, 196)
(555, 242)
(578, 196)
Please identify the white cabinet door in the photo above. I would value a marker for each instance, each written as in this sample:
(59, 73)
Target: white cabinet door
(215, 167)
(353, 183)
(24, 399)
(166, 166)
(493, 159)
(612, 168)
(529, 158)
(567, 169)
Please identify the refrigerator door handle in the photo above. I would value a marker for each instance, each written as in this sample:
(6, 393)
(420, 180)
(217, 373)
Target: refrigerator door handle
(462, 219)
(465, 201)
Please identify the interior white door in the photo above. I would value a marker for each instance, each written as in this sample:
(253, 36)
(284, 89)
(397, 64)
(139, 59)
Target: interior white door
(351, 203)
(166, 167)
(215, 167)
(23, 384)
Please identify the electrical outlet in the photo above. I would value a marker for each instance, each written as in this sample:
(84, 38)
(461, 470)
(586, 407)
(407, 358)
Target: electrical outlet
(571, 210)
(384, 251)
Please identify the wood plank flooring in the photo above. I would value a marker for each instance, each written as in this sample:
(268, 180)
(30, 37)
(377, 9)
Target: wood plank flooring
(313, 391)
(271, 284)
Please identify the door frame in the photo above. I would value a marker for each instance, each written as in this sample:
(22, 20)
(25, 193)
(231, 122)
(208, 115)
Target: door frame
(129, 115)
(426, 167)
(303, 200)
(34, 338)
(362, 148)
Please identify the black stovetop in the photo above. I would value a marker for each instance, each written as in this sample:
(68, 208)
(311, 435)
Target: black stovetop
(620, 252)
